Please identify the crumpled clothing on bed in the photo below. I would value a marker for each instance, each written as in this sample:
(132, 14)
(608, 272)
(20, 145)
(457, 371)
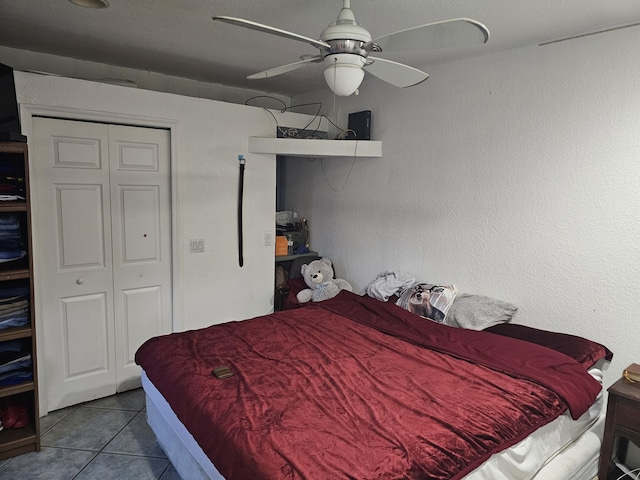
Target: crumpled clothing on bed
(387, 284)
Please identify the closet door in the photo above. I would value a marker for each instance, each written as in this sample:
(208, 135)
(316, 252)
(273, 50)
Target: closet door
(140, 207)
(73, 267)
(103, 252)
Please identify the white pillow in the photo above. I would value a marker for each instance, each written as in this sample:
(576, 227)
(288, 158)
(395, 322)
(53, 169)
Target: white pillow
(477, 312)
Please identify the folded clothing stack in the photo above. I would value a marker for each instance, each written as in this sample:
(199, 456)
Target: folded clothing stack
(12, 185)
(15, 362)
(14, 305)
(11, 241)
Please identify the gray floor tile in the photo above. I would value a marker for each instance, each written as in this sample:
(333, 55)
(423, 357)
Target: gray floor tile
(136, 438)
(129, 400)
(107, 466)
(48, 464)
(52, 418)
(87, 428)
(105, 439)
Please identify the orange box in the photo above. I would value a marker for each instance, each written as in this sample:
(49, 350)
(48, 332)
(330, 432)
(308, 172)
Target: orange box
(282, 247)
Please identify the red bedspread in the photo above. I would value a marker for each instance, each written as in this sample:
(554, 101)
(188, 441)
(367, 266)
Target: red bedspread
(320, 394)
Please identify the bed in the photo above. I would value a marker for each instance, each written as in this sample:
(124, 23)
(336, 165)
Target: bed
(352, 387)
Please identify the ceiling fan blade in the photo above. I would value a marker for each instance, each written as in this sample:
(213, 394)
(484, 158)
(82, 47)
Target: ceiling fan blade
(272, 72)
(272, 30)
(457, 32)
(395, 73)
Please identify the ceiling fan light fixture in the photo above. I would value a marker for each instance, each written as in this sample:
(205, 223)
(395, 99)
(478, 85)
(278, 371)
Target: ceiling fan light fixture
(345, 47)
(91, 3)
(343, 80)
(344, 73)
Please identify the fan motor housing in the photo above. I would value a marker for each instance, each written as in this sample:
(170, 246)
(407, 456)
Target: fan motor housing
(346, 46)
(349, 31)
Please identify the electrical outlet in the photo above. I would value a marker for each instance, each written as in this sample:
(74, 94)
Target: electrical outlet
(196, 245)
(268, 239)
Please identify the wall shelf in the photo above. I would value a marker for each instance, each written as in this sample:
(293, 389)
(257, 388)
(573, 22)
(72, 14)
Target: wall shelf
(288, 258)
(300, 147)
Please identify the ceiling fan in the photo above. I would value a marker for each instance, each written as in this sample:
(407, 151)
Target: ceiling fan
(345, 48)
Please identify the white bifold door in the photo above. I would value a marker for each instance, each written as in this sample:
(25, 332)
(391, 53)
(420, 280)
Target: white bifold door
(102, 236)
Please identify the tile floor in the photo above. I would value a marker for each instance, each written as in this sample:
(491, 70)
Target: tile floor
(105, 439)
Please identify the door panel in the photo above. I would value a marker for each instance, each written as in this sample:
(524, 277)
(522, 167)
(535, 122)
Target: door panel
(80, 213)
(73, 267)
(103, 253)
(140, 217)
(141, 320)
(74, 152)
(141, 205)
(85, 328)
(137, 156)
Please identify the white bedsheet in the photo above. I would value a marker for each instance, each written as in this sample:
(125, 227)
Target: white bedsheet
(564, 449)
(525, 460)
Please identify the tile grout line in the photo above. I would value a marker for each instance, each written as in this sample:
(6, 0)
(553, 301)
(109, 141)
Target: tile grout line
(7, 461)
(95, 453)
(108, 442)
(59, 420)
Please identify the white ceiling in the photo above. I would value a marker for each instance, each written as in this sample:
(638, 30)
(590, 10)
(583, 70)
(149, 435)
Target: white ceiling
(178, 37)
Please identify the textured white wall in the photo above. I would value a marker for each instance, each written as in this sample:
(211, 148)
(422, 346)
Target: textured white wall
(209, 135)
(514, 175)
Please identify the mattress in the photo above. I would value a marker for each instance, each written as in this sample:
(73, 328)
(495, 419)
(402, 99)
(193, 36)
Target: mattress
(544, 453)
(315, 389)
(564, 449)
(355, 388)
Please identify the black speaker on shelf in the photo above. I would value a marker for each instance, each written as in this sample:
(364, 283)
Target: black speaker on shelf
(359, 125)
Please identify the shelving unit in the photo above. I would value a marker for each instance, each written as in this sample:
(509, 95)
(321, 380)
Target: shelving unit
(16, 441)
(299, 147)
(288, 258)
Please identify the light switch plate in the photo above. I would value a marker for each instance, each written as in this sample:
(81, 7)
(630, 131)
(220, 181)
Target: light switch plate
(268, 239)
(196, 245)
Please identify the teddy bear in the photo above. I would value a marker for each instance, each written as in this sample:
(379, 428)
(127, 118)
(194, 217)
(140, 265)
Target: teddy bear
(318, 275)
